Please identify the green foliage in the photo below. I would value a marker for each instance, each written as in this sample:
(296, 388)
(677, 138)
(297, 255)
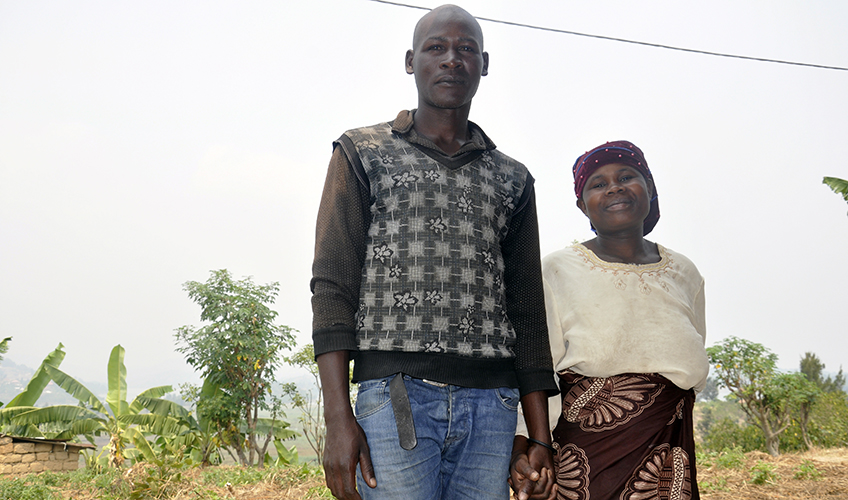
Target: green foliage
(718, 484)
(807, 470)
(763, 473)
(839, 186)
(728, 434)
(161, 477)
(92, 417)
(827, 426)
(310, 404)
(40, 379)
(710, 412)
(4, 346)
(812, 367)
(768, 397)
(238, 351)
(710, 392)
(23, 488)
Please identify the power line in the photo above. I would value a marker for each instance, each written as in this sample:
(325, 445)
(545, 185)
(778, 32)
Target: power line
(624, 40)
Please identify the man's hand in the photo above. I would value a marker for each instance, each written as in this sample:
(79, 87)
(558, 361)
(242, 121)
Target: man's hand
(346, 445)
(531, 471)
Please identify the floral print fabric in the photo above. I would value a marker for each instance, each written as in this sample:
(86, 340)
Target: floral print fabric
(626, 437)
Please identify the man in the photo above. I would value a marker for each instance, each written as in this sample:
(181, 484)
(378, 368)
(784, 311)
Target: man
(427, 275)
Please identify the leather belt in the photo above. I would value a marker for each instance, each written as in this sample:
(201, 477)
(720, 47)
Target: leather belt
(403, 413)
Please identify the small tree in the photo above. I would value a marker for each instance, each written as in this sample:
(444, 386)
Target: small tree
(812, 367)
(238, 351)
(710, 392)
(749, 371)
(311, 405)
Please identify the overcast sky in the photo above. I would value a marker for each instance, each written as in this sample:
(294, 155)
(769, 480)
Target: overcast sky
(143, 144)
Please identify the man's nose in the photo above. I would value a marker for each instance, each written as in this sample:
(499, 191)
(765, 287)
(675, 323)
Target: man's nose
(452, 60)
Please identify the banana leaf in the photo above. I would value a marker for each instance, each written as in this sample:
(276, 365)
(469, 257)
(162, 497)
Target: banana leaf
(39, 380)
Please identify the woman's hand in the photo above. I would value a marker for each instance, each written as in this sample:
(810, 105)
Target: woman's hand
(531, 471)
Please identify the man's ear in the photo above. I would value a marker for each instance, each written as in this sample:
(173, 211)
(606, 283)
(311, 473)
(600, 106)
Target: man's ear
(485, 63)
(408, 61)
(582, 206)
(650, 189)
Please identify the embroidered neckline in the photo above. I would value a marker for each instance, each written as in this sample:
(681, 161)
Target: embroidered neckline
(619, 266)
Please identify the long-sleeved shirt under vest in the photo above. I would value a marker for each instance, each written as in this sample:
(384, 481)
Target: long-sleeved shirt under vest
(428, 264)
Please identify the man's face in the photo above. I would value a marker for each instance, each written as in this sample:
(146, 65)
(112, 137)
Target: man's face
(447, 60)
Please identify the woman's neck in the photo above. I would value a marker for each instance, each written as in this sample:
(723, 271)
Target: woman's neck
(627, 250)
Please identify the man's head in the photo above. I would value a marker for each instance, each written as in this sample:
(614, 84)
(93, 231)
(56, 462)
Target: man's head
(447, 58)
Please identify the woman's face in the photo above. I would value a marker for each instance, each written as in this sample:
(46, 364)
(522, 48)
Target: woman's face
(616, 197)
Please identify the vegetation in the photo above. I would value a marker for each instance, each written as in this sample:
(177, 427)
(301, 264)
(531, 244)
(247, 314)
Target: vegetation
(769, 398)
(173, 479)
(812, 367)
(91, 417)
(237, 353)
(311, 407)
(839, 186)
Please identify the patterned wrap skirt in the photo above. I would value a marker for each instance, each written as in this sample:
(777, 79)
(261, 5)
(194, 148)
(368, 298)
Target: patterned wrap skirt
(626, 437)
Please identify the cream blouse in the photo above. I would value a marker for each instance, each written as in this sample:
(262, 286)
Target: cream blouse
(608, 318)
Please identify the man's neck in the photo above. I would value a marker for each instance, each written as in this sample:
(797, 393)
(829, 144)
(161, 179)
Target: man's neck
(446, 128)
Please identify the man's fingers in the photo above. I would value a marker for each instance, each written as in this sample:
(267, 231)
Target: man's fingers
(367, 468)
(523, 467)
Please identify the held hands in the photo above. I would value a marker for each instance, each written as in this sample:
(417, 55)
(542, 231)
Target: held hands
(531, 471)
(345, 447)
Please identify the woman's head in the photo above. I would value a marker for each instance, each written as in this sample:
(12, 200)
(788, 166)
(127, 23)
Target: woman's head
(622, 153)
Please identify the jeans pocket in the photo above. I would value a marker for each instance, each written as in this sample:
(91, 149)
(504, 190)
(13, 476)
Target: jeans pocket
(372, 396)
(509, 397)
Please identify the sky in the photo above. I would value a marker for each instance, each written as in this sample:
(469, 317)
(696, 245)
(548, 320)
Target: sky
(144, 144)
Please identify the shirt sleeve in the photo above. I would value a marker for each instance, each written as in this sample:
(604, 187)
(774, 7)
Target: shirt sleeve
(701, 327)
(343, 219)
(526, 300)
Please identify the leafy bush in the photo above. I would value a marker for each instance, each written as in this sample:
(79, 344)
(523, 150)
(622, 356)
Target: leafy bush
(763, 473)
(719, 484)
(21, 488)
(727, 434)
(807, 470)
(160, 477)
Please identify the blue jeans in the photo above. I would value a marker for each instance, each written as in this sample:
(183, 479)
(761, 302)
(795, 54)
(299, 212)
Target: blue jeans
(464, 442)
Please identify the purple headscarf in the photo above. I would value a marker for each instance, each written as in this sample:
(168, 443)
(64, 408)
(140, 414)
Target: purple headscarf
(616, 152)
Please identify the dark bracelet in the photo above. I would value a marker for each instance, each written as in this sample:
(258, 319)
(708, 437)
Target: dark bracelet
(546, 445)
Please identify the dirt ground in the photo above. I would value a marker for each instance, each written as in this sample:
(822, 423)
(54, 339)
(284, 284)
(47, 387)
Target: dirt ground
(725, 484)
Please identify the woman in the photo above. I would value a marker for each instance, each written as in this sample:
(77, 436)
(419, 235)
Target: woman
(627, 330)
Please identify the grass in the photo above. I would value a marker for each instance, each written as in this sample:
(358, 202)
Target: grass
(821, 474)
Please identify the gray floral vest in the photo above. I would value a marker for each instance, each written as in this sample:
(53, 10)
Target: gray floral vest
(433, 279)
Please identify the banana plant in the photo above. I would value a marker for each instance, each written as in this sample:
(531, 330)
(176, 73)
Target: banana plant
(839, 186)
(26, 400)
(94, 418)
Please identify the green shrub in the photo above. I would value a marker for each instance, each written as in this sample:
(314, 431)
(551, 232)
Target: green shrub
(717, 484)
(161, 477)
(763, 473)
(807, 470)
(730, 459)
(727, 434)
(20, 488)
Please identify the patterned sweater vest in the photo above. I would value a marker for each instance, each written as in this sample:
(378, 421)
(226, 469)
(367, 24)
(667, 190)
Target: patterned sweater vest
(433, 277)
